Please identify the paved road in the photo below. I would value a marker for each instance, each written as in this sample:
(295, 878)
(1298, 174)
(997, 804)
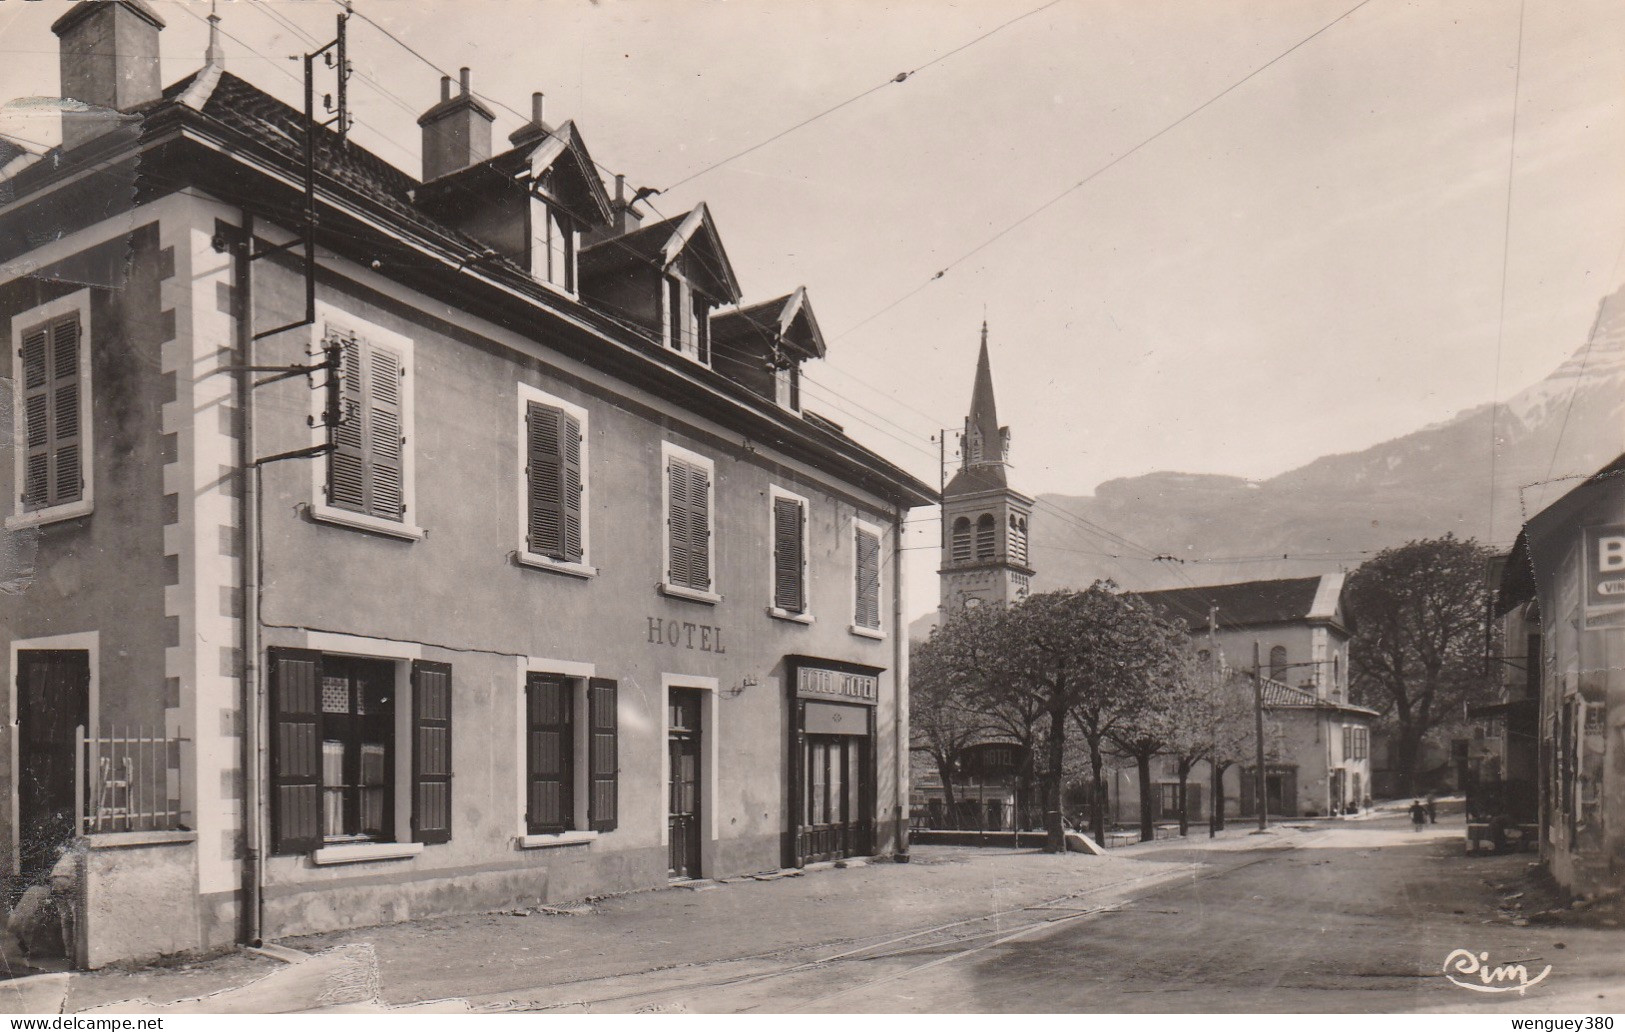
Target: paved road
(1356, 918)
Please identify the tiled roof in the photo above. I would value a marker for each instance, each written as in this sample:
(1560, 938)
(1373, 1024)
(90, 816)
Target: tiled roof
(1279, 694)
(761, 323)
(264, 121)
(644, 245)
(1248, 604)
(987, 477)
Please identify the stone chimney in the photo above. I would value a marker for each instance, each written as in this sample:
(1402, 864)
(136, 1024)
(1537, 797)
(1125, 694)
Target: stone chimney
(533, 130)
(623, 218)
(109, 51)
(456, 131)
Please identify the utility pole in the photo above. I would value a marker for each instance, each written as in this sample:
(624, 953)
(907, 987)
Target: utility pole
(1260, 787)
(1215, 701)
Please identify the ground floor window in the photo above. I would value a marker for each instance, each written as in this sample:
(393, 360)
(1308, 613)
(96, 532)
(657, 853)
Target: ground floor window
(338, 723)
(358, 730)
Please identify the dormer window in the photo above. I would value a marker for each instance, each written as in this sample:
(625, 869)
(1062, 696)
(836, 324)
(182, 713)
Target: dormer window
(552, 246)
(688, 320)
(787, 386)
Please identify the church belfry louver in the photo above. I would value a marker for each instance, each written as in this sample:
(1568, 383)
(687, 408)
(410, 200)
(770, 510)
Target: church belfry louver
(985, 521)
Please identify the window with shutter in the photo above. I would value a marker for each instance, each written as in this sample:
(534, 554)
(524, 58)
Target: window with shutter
(688, 523)
(549, 755)
(961, 540)
(431, 751)
(866, 592)
(52, 388)
(789, 555)
(603, 754)
(366, 480)
(296, 754)
(987, 532)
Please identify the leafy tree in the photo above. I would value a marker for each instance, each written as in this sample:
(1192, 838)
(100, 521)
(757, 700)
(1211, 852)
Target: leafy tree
(1419, 614)
(943, 719)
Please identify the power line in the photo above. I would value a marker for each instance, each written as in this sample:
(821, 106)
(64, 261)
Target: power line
(1035, 212)
(1506, 251)
(897, 79)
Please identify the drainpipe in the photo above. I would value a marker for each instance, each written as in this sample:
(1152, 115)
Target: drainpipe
(248, 472)
(900, 678)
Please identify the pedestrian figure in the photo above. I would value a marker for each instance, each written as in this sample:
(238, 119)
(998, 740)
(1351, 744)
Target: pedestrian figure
(1419, 815)
(1433, 809)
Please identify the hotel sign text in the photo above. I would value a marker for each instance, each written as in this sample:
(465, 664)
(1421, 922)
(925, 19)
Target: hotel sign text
(817, 683)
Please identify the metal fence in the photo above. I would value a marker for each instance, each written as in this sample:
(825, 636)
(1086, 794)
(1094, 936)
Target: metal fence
(128, 780)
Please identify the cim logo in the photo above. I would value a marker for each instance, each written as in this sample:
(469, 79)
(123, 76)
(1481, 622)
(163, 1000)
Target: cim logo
(1501, 978)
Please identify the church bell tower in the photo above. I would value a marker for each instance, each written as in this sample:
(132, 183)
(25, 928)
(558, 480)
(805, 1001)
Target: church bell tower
(985, 521)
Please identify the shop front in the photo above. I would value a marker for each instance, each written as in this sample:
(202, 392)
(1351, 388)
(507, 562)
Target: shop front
(832, 758)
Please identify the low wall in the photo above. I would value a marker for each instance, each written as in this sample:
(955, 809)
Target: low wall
(996, 839)
(138, 897)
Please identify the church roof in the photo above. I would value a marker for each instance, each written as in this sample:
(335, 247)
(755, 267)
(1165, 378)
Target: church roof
(984, 412)
(1252, 603)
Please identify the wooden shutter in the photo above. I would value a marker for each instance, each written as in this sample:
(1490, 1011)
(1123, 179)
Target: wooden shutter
(545, 479)
(385, 446)
(603, 754)
(347, 462)
(677, 522)
(868, 586)
(573, 486)
(699, 528)
(787, 555)
(549, 755)
(431, 751)
(53, 463)
(296, 754)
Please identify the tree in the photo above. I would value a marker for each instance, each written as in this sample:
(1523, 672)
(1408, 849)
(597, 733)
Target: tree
(1089, 657)
(942, 716)
(1420, 614)
(1195, 708)
(1162, 722)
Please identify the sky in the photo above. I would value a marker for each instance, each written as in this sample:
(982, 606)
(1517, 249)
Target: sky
(1303, 226)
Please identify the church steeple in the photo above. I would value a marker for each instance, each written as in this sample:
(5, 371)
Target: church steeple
(986, 442)
(985, 522)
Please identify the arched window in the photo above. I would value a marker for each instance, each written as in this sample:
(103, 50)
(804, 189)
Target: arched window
(986, 536)
(1018, 539)
(1278, 663)
(961, 544)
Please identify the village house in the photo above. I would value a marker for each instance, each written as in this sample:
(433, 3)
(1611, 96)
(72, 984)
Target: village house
(1318, 756)
(473, 549)
(1562, 601)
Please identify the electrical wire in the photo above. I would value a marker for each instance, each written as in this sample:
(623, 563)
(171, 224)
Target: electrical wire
(1506, 253)
(897, 79)
(1057, 198)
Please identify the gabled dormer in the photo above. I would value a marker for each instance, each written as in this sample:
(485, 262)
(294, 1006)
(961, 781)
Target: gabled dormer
(530, 204)
(763, 345)
(665, 279)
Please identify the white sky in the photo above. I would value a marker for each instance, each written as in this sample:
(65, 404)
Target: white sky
(1310, 264)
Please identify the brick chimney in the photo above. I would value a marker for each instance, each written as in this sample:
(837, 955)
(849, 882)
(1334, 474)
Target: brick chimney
(109, 51)
(624, 218)
(534, 129)
(456, 131)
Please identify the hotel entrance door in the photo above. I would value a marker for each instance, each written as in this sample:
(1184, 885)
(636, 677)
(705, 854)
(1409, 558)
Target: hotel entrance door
(683, 795)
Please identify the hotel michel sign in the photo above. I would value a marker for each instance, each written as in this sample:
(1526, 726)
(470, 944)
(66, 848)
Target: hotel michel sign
(822, 683)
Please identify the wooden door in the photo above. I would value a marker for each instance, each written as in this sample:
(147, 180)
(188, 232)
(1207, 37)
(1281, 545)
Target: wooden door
(53, 698)
(683, 803)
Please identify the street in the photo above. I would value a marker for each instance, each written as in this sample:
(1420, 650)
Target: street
(1354, 916)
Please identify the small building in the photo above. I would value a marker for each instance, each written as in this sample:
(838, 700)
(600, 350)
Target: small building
(1318, 755)
(475, 558)
(1563, 593)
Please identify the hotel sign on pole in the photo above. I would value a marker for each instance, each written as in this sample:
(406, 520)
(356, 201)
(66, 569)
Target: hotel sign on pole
(1605, 574)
